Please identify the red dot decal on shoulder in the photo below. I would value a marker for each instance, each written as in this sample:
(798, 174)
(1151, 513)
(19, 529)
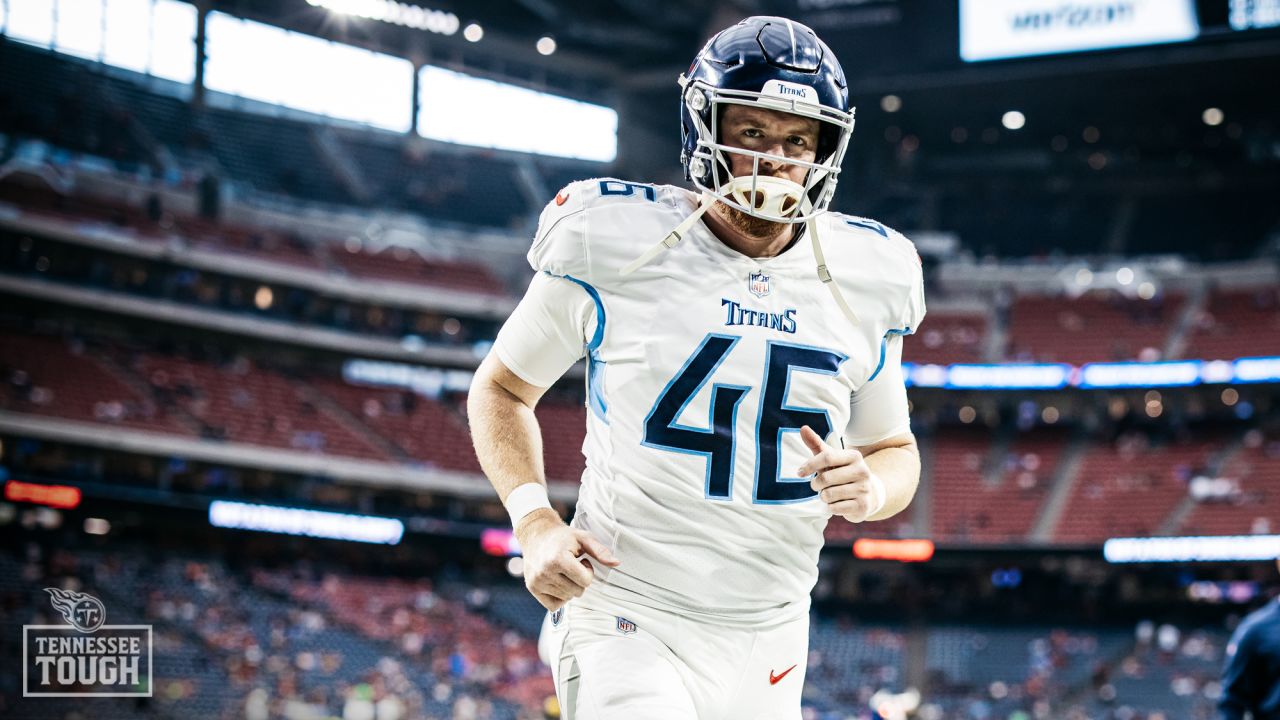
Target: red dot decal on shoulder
(562, 198)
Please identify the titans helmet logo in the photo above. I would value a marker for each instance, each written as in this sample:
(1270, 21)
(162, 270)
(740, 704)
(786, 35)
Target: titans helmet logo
(85, 612)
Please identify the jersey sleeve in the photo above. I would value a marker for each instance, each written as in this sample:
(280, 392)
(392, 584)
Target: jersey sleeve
(913, 310)
(548, 331)
(878, 409)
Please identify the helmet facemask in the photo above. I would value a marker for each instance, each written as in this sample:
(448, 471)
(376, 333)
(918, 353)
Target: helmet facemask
(766, 197)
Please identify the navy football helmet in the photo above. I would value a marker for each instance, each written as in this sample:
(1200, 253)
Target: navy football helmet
(776, 64)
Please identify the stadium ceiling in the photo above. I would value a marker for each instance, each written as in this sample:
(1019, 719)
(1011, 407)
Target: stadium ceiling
(640, 45)
(627, 54)
(595, 40)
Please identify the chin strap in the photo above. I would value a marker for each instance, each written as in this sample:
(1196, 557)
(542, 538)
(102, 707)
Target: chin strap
(673, 238)
(824, 274)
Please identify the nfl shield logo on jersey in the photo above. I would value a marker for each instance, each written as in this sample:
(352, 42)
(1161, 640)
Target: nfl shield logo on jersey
(625, 626)
(758, 284)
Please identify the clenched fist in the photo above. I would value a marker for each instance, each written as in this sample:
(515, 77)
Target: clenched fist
(556, 568)
(843, 480)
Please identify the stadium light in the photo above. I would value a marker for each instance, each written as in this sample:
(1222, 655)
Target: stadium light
(1227, 548)
(395, 13)
(311, 523)
(56, 496)
(499, 542)
(1212, 116)
(429, 382)
(1257, 369)
(546, 45)
(891, 103)
(480, 111)
(900, 550)
(1128, 374)
(1170, 373)
(263, 298)
(96, 526)
(473, 32)
(1013, 120)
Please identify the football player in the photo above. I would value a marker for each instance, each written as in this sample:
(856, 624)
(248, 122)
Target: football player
(744, 385)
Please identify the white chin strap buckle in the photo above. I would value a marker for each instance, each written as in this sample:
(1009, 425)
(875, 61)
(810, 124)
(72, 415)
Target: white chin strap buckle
(766, 195)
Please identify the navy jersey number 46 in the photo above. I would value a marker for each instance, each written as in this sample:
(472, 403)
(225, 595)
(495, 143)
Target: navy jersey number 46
(718, 440)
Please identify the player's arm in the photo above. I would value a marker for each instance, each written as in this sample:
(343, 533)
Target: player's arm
(505, 430)
(537, 344)
(875, 476)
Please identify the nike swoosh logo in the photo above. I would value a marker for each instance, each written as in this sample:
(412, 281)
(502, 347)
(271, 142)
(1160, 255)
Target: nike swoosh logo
(561, 198)
(773, 679)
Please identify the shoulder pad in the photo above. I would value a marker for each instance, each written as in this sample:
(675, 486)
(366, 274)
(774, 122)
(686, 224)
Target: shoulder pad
(560, 244)
(858, 244)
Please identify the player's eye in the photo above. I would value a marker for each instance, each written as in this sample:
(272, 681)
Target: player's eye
(753, 133)
(798, 140)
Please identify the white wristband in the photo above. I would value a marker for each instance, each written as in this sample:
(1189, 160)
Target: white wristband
(525, 499)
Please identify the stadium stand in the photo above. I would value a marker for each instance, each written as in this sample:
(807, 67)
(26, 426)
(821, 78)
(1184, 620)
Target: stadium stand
(1252, 503)
(63, 378)
(272, 154)
(947, 338)
(564, 429)
(404, 265)
(474, 189)
(239, 402)
(423, 430)
(849, 661)
(42, 95)
(984, 492)
(1091, 328)
(1173, 673)
(239, 631)
(1126, 488)
(1237, 324)
(272, 246)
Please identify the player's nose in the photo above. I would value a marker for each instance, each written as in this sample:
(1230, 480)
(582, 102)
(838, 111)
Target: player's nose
(775, 161)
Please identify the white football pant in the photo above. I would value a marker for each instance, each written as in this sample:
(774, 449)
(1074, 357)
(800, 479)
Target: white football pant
(644, 664)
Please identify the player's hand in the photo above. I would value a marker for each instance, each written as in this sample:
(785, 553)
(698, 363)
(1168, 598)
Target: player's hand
(556, 568)
(843, 480)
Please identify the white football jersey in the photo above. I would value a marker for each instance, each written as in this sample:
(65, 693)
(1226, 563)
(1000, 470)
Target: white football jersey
(702, 367)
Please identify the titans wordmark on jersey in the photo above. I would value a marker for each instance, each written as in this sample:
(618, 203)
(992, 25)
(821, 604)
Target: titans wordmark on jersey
(702, 367)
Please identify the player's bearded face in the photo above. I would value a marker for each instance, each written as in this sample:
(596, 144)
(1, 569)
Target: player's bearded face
(783, 136)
